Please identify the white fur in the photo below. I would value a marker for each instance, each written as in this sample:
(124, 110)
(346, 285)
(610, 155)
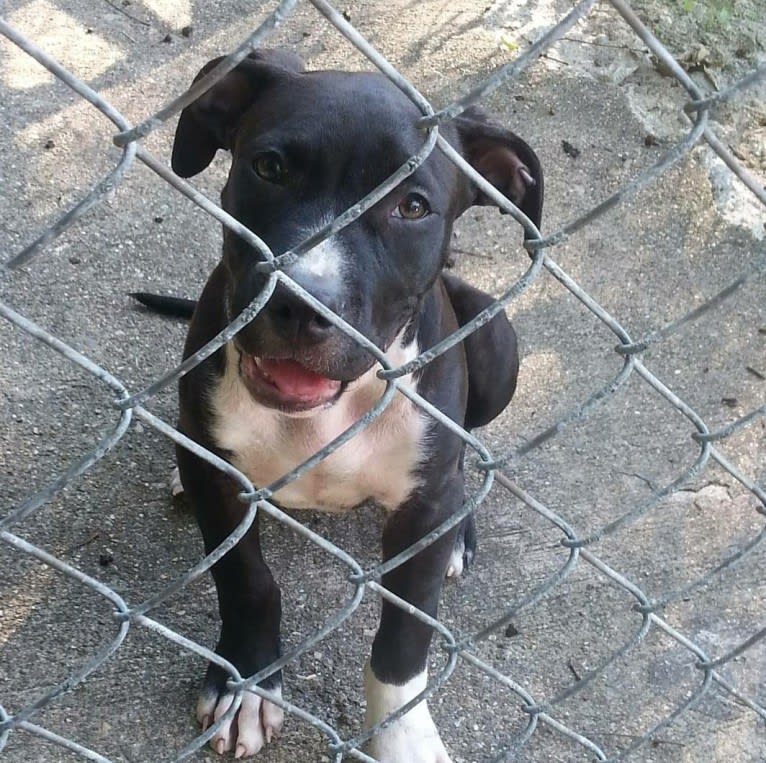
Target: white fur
(378, 463)
(455, 566)
(176, 487)
(254, 725)
(411, 739)
(325, 261)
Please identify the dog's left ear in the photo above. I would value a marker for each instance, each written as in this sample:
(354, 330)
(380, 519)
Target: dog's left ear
(505, 160)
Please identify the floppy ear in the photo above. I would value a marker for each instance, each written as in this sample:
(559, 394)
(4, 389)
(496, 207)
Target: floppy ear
(208, 123)
(505, 160)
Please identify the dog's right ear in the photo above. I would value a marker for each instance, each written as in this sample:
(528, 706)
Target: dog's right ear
(504, 159)
(209, 123)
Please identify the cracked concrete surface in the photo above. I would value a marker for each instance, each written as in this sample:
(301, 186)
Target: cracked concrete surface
(648, 262)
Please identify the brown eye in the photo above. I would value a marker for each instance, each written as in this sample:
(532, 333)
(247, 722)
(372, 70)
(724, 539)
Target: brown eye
(412, 207)
(268, 166)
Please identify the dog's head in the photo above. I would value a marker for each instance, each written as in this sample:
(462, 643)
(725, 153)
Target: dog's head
(305, 147)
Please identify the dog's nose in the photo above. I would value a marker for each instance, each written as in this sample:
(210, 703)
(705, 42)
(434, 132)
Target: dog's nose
(294, 320)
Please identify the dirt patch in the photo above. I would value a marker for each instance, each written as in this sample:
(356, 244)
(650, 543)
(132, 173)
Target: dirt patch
(716, 42)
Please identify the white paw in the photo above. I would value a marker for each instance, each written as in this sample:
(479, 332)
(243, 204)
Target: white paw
(455, 566)
(413, 738)
(176, 488)
(254, 725)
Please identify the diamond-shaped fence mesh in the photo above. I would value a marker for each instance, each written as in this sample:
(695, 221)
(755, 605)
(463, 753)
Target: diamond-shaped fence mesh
(547, 721)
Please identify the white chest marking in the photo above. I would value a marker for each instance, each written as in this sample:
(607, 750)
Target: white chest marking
(378, 463)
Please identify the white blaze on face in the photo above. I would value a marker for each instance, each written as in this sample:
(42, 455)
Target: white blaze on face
(324, 262)
(414, 737)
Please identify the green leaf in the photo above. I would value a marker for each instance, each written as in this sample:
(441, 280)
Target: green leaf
(508, 43)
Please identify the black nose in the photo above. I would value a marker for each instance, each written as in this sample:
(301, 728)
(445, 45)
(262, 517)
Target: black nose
(295, 321)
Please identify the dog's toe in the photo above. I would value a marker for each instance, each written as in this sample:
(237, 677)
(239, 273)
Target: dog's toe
(206, 708)
(455, 566)
(259, 722)
(176, 488)
(464, 550)
(223, 740)
(460, 560)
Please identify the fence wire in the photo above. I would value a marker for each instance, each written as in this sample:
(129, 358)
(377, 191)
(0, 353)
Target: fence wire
(131, 406)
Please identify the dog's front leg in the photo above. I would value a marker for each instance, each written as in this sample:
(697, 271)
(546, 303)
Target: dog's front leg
(397, 669)
(249, 602)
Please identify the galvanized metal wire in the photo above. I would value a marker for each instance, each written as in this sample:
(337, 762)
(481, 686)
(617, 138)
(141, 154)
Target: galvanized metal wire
(457, 648)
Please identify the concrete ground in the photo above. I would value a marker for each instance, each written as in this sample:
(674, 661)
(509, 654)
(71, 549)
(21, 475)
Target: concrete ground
(648, 262)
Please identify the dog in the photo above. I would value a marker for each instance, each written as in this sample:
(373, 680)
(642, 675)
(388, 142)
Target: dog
(305, 146)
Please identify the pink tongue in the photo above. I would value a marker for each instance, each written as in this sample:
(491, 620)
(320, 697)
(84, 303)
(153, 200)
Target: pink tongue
(292, 379)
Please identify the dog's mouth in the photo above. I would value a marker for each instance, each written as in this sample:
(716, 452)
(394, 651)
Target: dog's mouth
(286, 384)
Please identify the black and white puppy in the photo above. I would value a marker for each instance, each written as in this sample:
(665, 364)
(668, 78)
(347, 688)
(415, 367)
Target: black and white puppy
(305, 146)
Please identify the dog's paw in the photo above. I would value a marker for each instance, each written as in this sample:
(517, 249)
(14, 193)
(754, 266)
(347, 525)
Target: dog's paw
(409, 739)
(254, 725)
(457, 561)
(464, 549)
(176, 487)
(412, 738)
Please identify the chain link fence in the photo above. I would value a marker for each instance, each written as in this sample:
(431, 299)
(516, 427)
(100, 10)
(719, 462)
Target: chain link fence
(490, 467)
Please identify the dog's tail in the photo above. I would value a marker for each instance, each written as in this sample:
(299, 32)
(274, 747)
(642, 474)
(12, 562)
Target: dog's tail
(176, 307)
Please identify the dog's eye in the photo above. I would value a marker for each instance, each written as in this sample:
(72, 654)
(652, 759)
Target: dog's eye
(269, 167)
(412, 207)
